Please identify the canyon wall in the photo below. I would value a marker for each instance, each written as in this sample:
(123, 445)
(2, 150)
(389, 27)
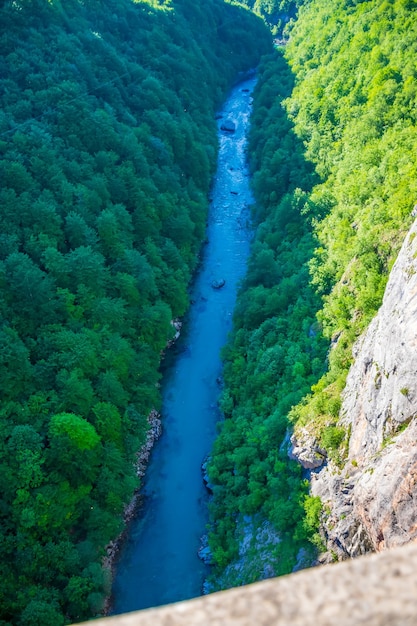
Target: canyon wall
(371, 502)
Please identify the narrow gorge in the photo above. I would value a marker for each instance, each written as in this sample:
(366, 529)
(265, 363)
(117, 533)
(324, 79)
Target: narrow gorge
(159, 562)
(124, 212)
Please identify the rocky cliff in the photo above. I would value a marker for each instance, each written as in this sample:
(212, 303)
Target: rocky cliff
(371, 503)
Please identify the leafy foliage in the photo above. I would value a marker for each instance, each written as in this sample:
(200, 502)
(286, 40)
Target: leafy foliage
(334, 195)
(276, 13)
(353, 106)
(108, 144)
(276, 351)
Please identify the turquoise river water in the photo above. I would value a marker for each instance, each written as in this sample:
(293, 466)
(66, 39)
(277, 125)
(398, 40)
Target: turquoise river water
(158, 563)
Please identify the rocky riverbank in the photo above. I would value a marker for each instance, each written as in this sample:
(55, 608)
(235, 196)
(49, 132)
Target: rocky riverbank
(256, 560)
(131, 510)
(141, 463)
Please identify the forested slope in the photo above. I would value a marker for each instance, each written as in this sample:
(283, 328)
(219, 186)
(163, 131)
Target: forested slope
(360, 130)
(274, 355)
(275, 13)
(108, 143)
(333, 151)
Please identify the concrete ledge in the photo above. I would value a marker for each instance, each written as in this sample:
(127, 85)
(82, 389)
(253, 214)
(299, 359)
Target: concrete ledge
(376, 590)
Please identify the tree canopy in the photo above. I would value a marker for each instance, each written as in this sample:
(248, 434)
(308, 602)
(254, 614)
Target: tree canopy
(332, 152)
(108, 144)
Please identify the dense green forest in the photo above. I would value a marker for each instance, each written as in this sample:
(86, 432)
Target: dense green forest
(332, 151)
(108, 143)
(276, 351)
(276, 13)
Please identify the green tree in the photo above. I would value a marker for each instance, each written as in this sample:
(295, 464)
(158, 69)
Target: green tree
(42, 613)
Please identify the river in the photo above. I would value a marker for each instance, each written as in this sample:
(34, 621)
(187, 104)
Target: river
(158, 563)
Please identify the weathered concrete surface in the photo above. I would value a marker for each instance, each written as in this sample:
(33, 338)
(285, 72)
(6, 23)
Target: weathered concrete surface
(377, 590)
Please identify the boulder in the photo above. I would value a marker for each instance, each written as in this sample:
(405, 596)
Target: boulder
(218, 283)
(305, 449)
(228, 125)
(206, 479)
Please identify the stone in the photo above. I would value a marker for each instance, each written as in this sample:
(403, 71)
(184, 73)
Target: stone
(228, 125)
(204, 552)
(305, 449)
(371, 502)
(206, 479)
(218, 283)
(177, 325)
(205, 555)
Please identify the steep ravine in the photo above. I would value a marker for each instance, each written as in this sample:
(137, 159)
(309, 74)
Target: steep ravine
(370, 504)
(159, 562)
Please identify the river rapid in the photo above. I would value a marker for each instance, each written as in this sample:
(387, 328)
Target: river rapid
(158, 563)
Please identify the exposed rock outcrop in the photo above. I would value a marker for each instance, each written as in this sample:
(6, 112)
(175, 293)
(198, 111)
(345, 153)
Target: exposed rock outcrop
(257, 539)
(152, 435)
(177, 325)
(371, 504)
(204, 552)
(306, 450)
(206, 478)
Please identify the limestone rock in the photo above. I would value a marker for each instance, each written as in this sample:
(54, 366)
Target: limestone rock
(177, 325)
(371, 504)
(257, 541)
(304, 448)
(206, 479)
(153, 434)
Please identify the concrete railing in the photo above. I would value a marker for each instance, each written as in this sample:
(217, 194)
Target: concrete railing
(376, 590)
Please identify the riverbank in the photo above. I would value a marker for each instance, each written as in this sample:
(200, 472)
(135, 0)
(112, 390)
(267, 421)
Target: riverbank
(132, 509)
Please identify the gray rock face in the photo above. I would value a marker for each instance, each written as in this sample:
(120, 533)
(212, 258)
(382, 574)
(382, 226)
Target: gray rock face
(371, 504)
(306, 451)
(257, 540)
(206, 478)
